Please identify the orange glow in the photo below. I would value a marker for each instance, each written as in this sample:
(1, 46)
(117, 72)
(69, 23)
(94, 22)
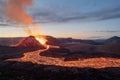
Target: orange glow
(15, 11)
(42, 40)
(51, 46)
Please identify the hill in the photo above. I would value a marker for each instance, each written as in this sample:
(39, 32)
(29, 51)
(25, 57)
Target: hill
(114, 39)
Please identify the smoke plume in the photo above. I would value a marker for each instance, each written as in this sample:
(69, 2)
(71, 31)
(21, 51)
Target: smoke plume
(15, 11)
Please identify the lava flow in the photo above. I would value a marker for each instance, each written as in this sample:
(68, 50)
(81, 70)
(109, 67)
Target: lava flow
(34, 56)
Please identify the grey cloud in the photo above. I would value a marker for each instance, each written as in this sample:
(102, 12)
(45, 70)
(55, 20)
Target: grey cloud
(42, 15)
(52, 16)
(2, 8)
(1, 24)
(111, 31)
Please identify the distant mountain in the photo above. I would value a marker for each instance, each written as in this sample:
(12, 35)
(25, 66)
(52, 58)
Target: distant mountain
(70, 40)
(10, 41)
(114, 39)
(100, 40)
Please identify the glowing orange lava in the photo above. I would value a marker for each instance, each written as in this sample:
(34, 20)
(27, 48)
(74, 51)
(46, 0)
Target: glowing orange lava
(41, 40)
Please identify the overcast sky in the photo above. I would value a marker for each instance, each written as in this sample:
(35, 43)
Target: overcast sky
(69, 18)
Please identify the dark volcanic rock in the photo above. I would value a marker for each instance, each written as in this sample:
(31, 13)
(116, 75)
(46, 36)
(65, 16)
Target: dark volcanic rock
(56, 52)
(28, 71)
(60, 50)
(53, 41)
(70, 40)
(7, 52)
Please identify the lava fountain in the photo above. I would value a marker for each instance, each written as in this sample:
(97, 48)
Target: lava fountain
(42, 40)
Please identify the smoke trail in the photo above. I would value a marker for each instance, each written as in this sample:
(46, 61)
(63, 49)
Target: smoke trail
(15, 11)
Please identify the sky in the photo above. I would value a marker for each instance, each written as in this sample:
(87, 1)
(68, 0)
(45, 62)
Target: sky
(81, 19)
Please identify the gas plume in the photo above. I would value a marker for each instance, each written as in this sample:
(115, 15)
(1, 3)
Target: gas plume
(15, 11)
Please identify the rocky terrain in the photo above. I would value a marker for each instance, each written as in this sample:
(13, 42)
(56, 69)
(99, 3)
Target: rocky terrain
(72, 61)
(11, 70)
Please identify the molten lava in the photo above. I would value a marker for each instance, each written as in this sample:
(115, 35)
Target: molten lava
(42, 40)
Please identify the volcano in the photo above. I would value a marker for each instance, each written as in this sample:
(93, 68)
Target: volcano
(30, 42)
